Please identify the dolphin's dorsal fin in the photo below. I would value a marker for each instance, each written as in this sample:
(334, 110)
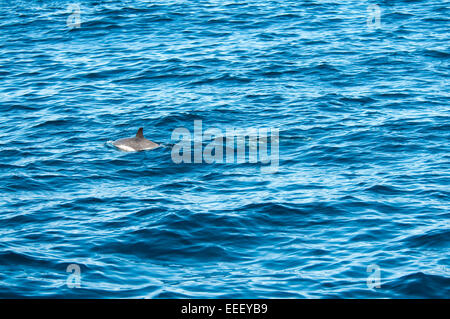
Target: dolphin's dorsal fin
(140, 133)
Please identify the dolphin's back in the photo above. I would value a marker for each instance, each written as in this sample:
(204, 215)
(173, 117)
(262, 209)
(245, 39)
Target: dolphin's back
(133, 144)
(127, 144)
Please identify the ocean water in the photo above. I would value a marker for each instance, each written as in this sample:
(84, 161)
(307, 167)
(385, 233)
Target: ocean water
(359, 204)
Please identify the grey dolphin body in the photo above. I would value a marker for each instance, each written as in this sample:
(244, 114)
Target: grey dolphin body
(137, 143)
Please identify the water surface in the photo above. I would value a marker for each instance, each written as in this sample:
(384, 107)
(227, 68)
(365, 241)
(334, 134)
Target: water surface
(363, 179)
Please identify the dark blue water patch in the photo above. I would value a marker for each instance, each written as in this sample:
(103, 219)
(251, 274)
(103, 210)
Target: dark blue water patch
(436, 238)
(419, 285)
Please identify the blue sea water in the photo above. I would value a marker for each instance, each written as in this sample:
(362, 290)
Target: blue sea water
(359, 206)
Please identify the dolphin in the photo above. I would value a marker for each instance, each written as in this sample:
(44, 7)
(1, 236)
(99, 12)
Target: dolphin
(137, 143)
